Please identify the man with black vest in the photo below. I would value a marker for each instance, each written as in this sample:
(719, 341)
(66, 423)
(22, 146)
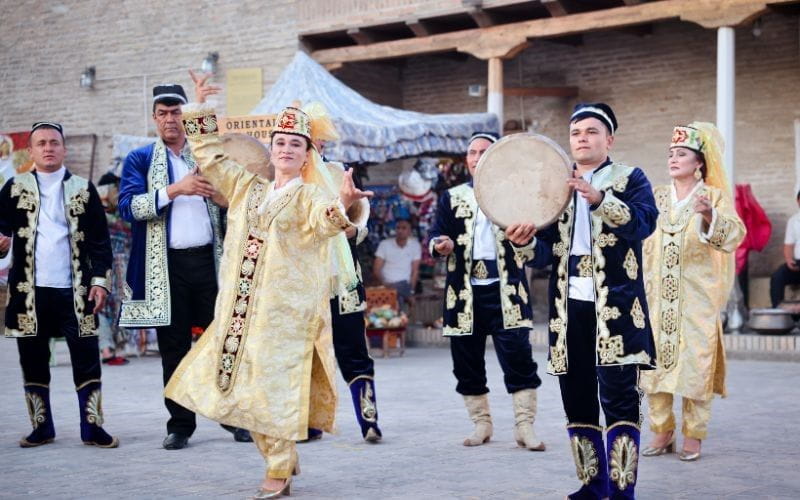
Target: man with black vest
(58, 281)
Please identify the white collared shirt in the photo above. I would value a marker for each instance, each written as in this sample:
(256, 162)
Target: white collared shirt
(52, 253)
(483, 245)
(190, 224)
(582, 288)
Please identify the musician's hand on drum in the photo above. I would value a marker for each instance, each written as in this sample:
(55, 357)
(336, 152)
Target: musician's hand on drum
(349, 193)
(589, 192)
(520, 234)
(201, 88)
(443, 245)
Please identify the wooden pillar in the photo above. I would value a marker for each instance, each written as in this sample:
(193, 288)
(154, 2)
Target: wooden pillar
(726, 96)
(495, 98)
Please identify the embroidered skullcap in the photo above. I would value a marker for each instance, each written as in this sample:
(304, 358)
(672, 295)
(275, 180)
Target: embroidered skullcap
(292, 120)
(169, 94)
(706, 139)
(53, 125)
(599, 110)
(685, 136)
(489, 136)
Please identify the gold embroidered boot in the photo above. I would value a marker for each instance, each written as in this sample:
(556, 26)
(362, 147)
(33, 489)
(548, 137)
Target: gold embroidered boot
(524, 416)
(90, 404)
(37, 397)
(478, 409)
(622, 441)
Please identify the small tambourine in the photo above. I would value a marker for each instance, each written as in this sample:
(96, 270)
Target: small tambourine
(249, 153)
(522, 178)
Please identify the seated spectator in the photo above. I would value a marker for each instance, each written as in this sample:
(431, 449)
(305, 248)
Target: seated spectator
(789, 272)
(397, 262)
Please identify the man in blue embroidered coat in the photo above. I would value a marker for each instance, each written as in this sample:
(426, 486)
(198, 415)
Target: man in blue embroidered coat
(58, 281)
(600, 333)
(487, 294)
(175, 248)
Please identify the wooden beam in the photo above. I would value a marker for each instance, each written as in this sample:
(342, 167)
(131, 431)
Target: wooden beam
(707, 13)
(419, 27)
(632, 2)
(482, 18)
(541, 91)
(555, 7)
(361, 36)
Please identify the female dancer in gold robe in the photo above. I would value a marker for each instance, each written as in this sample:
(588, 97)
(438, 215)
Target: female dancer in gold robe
(689, 266)
(266, 363)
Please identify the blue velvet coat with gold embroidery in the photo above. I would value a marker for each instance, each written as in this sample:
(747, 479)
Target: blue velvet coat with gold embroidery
(147, 170)
(455, 217)
(626, 216)
(90, 256)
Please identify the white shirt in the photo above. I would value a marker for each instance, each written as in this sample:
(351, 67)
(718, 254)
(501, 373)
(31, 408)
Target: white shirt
(483, 245)
(190, 224)
(52, 253)
(793, 234)
(582, 288)
(397, 260)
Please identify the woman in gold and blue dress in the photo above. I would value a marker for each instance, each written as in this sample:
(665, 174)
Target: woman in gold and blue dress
(266, 362)
(689, 270)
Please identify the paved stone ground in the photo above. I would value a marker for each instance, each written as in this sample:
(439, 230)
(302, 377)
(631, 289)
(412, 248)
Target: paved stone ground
(751, 452)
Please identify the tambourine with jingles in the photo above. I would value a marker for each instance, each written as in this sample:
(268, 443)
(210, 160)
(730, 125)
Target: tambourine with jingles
(522, 178)
(250, 153)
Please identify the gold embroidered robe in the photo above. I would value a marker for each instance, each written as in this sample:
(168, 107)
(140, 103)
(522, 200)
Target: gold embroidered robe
(266, 361)
(688, 280)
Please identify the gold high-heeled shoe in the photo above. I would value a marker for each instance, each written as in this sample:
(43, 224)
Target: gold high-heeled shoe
(690, 456)
(264, 493)
(654, 451)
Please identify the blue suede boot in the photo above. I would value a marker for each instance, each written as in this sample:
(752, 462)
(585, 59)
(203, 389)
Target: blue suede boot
(362, 389)
(37, 398)
(623, 459)
(91, 408)
(589, 452)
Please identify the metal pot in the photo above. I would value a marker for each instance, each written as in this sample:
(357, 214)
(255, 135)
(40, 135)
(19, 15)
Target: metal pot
(771, 321)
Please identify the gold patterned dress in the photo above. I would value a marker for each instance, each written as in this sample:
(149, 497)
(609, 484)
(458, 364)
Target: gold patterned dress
(266, 363)
(689, 270)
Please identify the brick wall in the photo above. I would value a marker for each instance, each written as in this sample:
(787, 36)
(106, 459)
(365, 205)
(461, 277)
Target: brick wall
(44, 47)
(653, 83)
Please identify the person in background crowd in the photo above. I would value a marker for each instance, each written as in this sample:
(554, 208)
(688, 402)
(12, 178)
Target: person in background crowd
(789, 272)
(396, 262)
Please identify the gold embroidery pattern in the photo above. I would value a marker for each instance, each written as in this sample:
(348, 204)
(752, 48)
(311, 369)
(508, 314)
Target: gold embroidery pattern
(631, 265)
(94, 408)
(557, 364)
(512, 313)
(559, 249)
(154, 309)
(335, 216)
(451, 263)
(36, 410)
(610, 348)
(143, 206)
(26, 190)
(585, 266)
(350, 302)
(615, 212)
(237, 326)
(522, 293)
(463, 202)
(587, 464)
(620, 184)
(451, 297)
(76, 195)
(637, 314)
(623, 461)
(368, 410)
(607, 240)
(721, 231)
(479, 271)
(670, 300)
(200, 123)
(522, 254)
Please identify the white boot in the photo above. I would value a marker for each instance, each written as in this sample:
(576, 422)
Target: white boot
(478, 409)
(524, 415)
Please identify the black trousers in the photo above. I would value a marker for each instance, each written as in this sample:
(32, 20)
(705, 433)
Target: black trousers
(780, 278)
(55, 316)
(192, 291)
(617, 385)
(350, 343)
(513, 348)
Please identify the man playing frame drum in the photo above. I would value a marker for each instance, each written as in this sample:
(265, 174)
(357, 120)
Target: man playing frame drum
(600, 333)
(487, 294)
